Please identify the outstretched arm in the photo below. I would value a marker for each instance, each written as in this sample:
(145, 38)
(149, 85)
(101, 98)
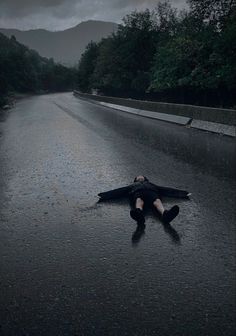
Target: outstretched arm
(172, 192)
(114, 194)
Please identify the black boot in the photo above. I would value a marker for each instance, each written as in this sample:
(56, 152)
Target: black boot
(169, 215)
(137, 215)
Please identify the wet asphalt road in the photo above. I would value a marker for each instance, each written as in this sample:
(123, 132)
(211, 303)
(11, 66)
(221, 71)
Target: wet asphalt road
(69, 266)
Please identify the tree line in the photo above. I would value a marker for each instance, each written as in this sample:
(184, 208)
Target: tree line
(23, 70)
(186, 56)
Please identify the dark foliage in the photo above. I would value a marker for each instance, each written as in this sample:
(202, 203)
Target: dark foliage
(25, 71)
(87, 67)
(183, 57)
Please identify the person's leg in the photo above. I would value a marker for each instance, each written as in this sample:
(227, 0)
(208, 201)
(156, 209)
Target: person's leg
(166, 215)
(159, 206)
(137, 212)
(139, 203)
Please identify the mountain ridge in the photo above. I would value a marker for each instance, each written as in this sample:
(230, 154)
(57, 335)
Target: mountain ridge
(64, 46)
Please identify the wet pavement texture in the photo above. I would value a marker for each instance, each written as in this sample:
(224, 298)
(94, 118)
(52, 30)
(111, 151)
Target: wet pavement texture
(69, 266)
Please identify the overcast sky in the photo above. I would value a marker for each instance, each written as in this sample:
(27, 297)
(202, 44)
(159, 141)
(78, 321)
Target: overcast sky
(62, 14)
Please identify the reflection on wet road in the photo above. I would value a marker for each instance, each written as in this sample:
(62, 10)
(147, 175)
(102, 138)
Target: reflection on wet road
(70, 266)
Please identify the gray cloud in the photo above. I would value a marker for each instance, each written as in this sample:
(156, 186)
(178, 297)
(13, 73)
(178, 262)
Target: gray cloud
(14, 6)
(23, 8)
(61, 14)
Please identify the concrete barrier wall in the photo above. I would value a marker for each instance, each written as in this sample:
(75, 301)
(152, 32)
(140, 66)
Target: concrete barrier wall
(217, 115)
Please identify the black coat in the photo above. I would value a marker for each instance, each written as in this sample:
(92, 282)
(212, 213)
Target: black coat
(144, 185)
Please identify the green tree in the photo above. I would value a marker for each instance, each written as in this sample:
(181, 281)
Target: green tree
(124, 59)
(214, 12)
(86, 67)
(168, 52)
(24, 70)
(166, 18)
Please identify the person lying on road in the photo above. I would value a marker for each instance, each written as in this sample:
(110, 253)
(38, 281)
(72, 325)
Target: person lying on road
(143, 193)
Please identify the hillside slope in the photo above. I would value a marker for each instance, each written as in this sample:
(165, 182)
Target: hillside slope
(64, 46)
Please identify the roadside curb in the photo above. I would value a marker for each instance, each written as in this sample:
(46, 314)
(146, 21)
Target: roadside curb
(203, 125)
(229, 130)
(149, 114)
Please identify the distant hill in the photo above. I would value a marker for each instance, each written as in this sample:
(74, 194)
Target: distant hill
(64, 46)
(23, 70)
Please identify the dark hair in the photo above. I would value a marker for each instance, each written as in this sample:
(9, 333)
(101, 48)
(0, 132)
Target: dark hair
(145, 178)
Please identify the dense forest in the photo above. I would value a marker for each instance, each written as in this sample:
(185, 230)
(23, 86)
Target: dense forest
(186, 56)
(24, 71)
